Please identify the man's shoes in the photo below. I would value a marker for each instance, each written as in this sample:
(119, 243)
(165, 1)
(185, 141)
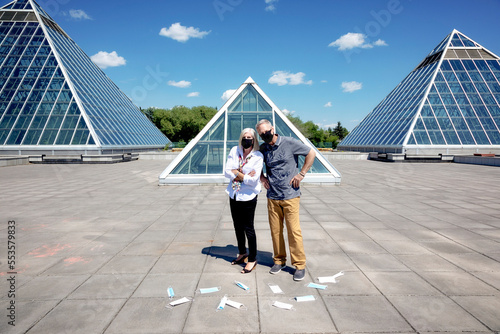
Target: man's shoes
(276, 268)
(299, 274)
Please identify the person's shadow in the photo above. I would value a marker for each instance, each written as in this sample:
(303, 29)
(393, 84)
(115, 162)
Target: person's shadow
(228, 253)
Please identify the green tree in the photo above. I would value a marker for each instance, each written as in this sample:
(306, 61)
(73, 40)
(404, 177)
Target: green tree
(298, 124)
(340, 131)
(182, 123)
(314, 133)
(148, 112)
(318, 135)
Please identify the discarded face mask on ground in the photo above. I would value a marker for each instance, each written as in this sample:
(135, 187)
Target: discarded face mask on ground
(275, 288)
(308, 298)
(283, 306)
(226, 301)
(170, 292)
(177, 302)
(317, 286)
(330, 279)
(243, 286)
(210, 290)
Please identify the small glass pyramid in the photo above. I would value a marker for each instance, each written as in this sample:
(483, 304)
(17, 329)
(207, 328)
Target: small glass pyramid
(203, 159)
(450, 103)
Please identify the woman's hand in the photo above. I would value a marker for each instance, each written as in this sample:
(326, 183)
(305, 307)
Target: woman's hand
(238, 177)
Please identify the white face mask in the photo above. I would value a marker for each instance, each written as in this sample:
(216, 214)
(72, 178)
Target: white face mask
(275, 288)
(330, 279)
(179, 301)
(234, 304)
(284, 306)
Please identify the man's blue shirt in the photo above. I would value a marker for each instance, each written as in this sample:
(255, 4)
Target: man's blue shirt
(281, 161)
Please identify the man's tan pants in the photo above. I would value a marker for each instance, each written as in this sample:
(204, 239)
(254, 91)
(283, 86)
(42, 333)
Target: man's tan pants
(287, 210)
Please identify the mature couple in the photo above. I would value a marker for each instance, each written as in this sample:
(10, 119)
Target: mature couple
(244, 170)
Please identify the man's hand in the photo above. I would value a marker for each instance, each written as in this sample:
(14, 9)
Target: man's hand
(264, 181)
(296, 180)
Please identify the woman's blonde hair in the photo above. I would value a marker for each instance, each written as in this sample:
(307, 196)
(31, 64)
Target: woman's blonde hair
(254, 136)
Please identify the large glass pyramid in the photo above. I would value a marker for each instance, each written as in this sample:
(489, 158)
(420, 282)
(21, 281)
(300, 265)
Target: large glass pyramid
(203, 159)
(54, 98)
(450, 103)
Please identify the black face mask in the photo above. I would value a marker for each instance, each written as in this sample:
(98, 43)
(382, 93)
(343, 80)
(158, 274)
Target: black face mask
(267, 136)
(246, 143)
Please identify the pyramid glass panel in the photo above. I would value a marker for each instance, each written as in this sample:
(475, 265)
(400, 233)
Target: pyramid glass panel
(284, 130)
(250, 100)
(208, 155)
(203, 159)
(449, 103)
(440, 46)
(53, 97)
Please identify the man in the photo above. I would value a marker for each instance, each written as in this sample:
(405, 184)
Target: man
(283, 194)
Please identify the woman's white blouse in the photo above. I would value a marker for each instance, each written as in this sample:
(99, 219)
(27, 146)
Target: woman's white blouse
(251, 186)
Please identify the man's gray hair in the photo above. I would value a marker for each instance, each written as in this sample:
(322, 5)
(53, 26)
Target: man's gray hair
(262, 121)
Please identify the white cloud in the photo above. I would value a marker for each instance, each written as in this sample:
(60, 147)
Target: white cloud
(351, 86)
(353, 40)
(282, 78)
(349, 41)
(104, 59)
(288, 112)
(79, 14)
(180, 84)
(328, 104)
(271, 5)
(324, 81)
(193, 94)
(181, 33)
(227, 94)
(380, 42)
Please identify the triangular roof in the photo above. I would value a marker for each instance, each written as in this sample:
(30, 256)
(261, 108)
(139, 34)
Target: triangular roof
(53, 97)
(448, 103)
(203, 159)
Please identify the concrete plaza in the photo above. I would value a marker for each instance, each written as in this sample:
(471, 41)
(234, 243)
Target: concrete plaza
(97, 246)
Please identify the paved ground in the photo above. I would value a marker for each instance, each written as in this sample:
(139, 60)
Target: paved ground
(97, 246)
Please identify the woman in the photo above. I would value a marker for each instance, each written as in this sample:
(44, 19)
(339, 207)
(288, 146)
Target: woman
(243, 168)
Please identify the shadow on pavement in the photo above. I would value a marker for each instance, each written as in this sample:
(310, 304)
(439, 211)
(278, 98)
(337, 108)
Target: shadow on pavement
(228, 253)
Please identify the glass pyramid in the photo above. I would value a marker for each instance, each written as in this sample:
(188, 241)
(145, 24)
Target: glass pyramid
(450, 103)
(54, 98)
(203, 159)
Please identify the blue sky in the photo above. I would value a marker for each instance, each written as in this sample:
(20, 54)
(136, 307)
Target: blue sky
(321, 60)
